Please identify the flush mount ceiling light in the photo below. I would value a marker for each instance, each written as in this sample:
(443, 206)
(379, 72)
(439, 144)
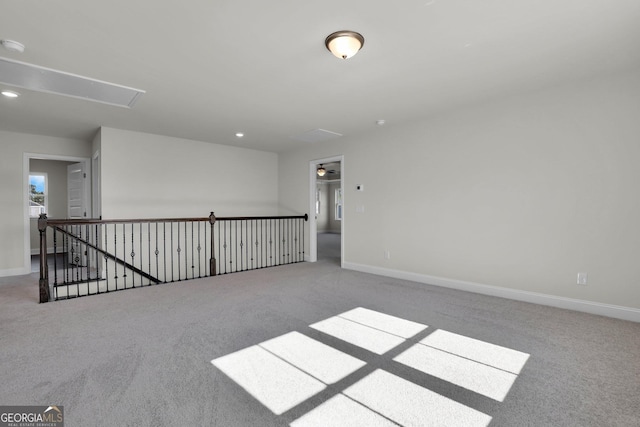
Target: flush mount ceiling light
(344, 44)
(321, 171)
(12, 45)
(10, 94)
(239, 135)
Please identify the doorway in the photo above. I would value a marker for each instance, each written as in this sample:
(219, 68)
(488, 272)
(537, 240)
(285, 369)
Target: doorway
(61, 200)
(326, 208)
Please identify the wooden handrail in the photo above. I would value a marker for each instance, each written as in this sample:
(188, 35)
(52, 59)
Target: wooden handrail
(82, 221)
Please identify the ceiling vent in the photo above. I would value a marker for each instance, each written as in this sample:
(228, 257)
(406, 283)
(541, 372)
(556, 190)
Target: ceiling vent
(317, 135)
(41, 79)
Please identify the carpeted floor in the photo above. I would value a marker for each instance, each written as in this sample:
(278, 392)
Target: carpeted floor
(329, 249)
(143, 357)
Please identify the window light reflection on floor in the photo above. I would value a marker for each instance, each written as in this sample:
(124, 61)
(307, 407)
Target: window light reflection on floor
(371, 330)
(486, 380)
(341, 410)
(409, 404)
(273, 382)
(285, 371)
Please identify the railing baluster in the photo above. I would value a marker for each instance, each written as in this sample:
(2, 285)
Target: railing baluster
(133, 255)
(124, 256)
(149, 246)
(193, 271)
(55, 263)
(225, 246)
(97, 259)
(186, 253)
(212, 261)
(87, 267)
(106, 251)
(115, 252)
(179, 250)
(88, 264)
(140, 249)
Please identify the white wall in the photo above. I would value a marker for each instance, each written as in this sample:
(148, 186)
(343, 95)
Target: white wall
(520, 194)
(153, 176)
(12, 191)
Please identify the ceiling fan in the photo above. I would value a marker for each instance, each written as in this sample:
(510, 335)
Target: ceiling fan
(322, 171)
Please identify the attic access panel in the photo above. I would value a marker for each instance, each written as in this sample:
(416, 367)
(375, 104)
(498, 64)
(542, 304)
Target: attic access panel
(41, 79)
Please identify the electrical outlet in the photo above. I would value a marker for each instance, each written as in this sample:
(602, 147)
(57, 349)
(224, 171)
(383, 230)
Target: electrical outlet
(582, 279)
(387, 254)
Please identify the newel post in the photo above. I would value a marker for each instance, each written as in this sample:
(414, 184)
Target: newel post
(45, 295)
(212, 261)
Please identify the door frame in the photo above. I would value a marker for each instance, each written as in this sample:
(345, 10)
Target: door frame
(25, 201)
(313, 225)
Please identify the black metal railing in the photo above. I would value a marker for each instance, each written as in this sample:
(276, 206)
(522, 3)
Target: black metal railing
(94, 256)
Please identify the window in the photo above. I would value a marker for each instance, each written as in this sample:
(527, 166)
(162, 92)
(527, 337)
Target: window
(37, 194)
(338, 204)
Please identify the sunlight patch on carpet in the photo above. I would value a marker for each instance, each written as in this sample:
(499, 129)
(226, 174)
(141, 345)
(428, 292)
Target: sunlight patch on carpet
(384, 322)
(313, 357)
(285, 371)
(490, 354)
(341, 411)
(474, 376)
(409, 404)
(374, 340)
(275, 383)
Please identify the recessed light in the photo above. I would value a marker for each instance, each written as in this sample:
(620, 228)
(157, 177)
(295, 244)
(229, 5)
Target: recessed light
(10, 94)
(239, 134)
(380, 122)
(12, 45)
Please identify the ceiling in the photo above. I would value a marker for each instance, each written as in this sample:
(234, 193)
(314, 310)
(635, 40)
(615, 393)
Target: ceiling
(213, 68)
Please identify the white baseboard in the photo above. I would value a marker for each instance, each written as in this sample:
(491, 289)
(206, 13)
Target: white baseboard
(615, 311)
(49, 251)
(15, 272)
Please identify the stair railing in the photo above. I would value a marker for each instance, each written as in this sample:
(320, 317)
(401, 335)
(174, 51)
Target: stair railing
(94, 256)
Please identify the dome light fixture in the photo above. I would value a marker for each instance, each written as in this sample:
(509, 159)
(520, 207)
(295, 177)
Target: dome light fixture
(344, 44)
(10, 94)
(12, 45)
(321, 171)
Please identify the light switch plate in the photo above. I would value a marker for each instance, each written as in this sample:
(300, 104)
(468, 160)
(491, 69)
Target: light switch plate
(582, 279)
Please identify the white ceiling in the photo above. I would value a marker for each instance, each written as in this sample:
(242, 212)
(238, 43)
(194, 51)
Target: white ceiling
(216, 67)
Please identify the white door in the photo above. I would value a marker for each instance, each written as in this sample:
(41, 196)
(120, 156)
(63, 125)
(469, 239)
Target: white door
(76, 191)
(77, 209)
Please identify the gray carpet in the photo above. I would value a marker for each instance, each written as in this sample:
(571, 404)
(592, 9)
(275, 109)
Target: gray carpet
(329, 248)
(143, 357)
